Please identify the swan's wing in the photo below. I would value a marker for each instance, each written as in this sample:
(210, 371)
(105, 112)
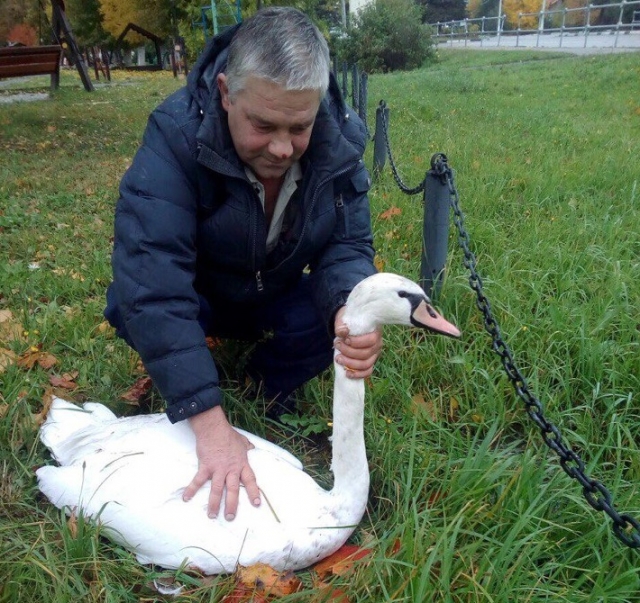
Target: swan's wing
(262, 444)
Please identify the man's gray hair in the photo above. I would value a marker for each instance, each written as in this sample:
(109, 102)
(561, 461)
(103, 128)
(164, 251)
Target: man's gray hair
(282, 45)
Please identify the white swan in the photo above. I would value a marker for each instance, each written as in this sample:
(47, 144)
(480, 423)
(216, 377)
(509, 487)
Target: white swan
(129, 473)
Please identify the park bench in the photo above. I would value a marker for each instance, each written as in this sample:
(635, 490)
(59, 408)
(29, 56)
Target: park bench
(20, 61)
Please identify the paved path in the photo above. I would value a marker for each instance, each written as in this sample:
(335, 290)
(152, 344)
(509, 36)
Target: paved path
(594, 43)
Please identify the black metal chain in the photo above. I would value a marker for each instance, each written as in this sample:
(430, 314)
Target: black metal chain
(403, 187)
(625, 527)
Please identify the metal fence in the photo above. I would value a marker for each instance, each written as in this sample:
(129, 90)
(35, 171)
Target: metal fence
(560, 27)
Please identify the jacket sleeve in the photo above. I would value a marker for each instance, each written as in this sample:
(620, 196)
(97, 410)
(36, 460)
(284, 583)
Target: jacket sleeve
(348, 257)
(154, 263)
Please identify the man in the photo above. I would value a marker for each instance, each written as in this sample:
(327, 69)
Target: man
(244, 212)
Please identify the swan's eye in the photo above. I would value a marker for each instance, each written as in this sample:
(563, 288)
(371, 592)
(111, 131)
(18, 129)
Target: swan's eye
(403, 294)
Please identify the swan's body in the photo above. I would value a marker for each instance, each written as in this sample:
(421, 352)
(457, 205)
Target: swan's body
(129, 473)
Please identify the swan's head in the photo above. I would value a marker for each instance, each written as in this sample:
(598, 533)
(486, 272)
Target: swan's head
(386, 298)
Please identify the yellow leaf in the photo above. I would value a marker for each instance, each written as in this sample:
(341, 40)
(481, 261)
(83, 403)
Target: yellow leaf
(266, 580)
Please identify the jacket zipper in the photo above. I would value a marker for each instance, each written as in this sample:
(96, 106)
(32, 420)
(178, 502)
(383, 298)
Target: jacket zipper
(321, 184)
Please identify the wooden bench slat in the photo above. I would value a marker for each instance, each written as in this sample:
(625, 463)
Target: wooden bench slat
(51, 59)
(14, 51)
(20, 71)
(20, 61)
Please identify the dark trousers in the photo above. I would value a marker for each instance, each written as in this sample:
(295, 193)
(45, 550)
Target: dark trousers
(292, 344)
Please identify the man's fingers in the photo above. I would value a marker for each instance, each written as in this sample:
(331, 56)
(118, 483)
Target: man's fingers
(197, 482)
(251, 486)
(215, 496)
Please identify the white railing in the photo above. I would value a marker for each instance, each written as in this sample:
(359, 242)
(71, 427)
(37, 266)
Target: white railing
(552, 27)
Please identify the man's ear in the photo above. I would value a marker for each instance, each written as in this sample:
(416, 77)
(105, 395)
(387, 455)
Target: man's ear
(224, 91)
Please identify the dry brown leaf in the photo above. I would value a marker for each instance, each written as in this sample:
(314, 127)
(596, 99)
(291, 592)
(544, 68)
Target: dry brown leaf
(379, 263)
(390, 213)
(328, 593)
(213, 342)
(426, 406)
(46, 360)
(28, 359)
(395, 548)
(342, 561)
(137, 390)
(7, 358)
(244, 594)
(65, 381)
(454, 407)
(10, 328)
(47, 399)
(264, 579)
(72, 524)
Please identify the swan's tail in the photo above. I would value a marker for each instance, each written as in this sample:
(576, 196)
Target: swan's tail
(64, 419)
(61, 485)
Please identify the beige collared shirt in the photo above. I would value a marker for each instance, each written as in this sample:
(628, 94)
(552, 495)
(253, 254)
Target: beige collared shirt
(291, 178)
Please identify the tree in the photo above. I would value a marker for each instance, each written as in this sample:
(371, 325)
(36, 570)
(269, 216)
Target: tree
(86, 20)
(153, 15)
(512, 8)
(388, 35)
(20, 12)
(443, 10)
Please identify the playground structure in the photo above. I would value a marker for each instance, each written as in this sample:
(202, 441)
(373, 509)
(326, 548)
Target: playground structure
(217, 16)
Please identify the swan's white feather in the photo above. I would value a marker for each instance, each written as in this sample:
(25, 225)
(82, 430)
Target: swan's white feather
(129, 474)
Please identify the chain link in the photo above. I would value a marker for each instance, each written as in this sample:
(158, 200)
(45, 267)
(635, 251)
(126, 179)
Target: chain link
(625, 527)
(403, 187)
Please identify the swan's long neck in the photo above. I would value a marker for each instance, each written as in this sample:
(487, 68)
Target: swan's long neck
(349, 455)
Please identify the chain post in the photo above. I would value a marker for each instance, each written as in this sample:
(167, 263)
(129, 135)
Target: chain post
(379, 139)
(625, 527)
(435, 227)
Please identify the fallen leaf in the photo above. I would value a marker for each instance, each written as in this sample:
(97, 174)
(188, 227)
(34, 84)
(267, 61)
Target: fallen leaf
(7, 358)
(137, 390)
(46, 360)
(10, 328)
(47, 399)
(426, 406)
(72, 524)
(454, 406)
(390, 213)
(28, 359)
(342, 561)
(328, 593)
(395, 548)
(244, 594)
(65, 381)
(213, 342)
(264, 579)
(378, 263)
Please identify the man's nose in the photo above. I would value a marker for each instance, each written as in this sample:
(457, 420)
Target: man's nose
(281, 147)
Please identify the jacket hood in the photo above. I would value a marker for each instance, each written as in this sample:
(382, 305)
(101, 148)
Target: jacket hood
(201, 81)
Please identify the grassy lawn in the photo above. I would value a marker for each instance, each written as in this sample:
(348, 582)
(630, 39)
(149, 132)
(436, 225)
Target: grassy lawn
(467, 503)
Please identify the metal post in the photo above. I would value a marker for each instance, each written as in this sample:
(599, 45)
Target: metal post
(344, 80)
(362, 100)
(379, 146)
(435, 233)
(355, 80)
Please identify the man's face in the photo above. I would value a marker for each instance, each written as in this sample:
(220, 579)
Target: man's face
(270, 126)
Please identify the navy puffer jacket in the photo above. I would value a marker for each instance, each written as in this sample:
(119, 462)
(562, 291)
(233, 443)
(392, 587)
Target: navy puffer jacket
(189, 222)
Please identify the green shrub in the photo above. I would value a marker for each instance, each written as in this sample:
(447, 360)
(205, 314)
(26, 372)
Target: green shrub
(388, 35)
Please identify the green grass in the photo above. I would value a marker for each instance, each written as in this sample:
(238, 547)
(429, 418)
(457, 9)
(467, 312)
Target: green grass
(467, 504)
